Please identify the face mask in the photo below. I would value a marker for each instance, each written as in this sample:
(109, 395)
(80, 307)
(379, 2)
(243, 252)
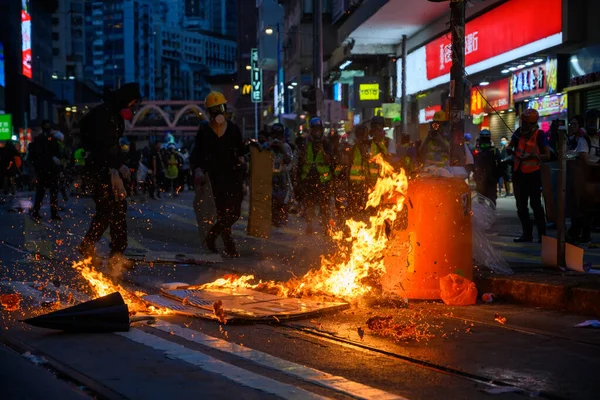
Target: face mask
(127, 114)
(219, 119)
(503, 142)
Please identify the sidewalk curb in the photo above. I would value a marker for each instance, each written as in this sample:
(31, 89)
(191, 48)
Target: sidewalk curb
(571, 298)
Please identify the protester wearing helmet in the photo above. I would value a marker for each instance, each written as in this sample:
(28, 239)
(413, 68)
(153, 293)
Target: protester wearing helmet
(435, 149)
(316, 175)
(218, 156)
(486, 161)
(358, 178)
(530, 147)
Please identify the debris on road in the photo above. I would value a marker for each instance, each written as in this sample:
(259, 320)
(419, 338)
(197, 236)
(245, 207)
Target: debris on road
(590, 323)
(386, 326)
(219, 311)
(499, 318)
(361, 332)
(10, 302)
(457, 291)
(487, 298)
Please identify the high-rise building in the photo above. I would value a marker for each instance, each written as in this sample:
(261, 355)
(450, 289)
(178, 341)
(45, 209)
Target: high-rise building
(119, 37)
(68, 40)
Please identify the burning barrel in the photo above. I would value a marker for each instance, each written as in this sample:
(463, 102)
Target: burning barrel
(435, 242)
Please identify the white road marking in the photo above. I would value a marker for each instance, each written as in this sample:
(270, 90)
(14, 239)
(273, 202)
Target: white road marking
(324, 379)
(210, 364)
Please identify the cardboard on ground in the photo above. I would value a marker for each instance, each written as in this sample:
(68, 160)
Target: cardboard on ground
(242, 304)
(573, 255)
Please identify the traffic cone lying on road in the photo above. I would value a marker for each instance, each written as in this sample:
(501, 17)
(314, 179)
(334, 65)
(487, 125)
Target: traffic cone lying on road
(104, 314)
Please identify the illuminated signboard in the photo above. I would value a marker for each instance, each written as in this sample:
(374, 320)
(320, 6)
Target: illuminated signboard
(496, 93)
(497, 32)
(426, 114)
(506, 33)
(26, 39)
(367, 92)
(2, 77)
(5, 126)
(256, 74)
(246, 89)
(534, 81)
(549, 105)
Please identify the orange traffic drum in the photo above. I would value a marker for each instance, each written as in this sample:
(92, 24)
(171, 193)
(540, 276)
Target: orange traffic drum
(435, 242)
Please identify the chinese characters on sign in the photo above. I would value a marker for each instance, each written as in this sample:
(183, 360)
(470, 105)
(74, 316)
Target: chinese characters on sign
(5, 126)
(534, 81)
(471, 45)
(256, 74)
(549, 105)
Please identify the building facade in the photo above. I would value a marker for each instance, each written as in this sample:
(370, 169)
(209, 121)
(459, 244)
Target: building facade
(68, 40)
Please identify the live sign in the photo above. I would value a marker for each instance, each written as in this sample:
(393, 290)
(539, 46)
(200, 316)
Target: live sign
(256, 94)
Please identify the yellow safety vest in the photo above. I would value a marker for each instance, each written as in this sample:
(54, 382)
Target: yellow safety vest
(358, 169)
(319, 162)
(436, 156)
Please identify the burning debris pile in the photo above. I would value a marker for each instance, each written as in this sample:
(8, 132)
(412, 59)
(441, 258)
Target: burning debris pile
(357, 263)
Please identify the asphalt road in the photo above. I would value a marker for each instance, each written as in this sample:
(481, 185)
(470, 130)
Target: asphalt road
(433, 352)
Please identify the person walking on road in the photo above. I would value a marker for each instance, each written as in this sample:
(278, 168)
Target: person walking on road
(530, 147)
(101, 130)
(45, 158)
(218, 156)
(316, 175)
(486, 166)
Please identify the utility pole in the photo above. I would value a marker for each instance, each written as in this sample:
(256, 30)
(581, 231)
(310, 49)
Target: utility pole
(318, 53)
(403, 102)
(560, 208)
(457, 82)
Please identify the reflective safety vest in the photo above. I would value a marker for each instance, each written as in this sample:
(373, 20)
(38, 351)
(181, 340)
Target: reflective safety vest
(319, 162)
(358, 170)
(527, 146)
(404, 158)
(436, 156)
(79, 157)
(375, 150)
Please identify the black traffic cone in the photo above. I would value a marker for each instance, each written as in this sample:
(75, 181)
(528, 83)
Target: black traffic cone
(105, 314)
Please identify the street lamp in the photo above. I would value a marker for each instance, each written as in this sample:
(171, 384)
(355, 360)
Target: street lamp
(248, 67)
(236, 87)
(269, 31)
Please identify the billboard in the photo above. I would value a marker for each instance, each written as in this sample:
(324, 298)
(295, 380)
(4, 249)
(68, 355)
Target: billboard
(535, 81)
(368, 92)
(5, 126)
(26, 39)
(496, 93)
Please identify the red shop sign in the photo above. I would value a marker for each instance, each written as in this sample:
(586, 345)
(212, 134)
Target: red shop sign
(426, 114)
(504, 28)
(497, 94)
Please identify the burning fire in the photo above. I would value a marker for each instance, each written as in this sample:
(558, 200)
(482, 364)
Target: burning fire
(103, 286)
(359, 250)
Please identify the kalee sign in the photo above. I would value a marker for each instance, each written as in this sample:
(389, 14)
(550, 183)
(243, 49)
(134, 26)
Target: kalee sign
(496, 93)
(509, 26)
(368, 91)
(5, 126)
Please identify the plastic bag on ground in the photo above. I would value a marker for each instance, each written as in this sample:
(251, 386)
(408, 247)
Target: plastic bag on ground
(457, 291)
(483, 218)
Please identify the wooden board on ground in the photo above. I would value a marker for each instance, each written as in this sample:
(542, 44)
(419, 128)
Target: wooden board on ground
(261, 189)
(205, 209)
(249, 305)
(176, 258)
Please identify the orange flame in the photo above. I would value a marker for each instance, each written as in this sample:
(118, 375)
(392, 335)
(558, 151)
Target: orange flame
(360, 249)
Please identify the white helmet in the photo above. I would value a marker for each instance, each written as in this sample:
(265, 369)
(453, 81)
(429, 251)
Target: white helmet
(59, 136)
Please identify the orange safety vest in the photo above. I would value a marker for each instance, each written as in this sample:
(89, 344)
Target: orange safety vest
(527, 146)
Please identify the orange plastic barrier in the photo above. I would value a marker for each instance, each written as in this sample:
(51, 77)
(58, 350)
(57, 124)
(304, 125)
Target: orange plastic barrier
(436, 240)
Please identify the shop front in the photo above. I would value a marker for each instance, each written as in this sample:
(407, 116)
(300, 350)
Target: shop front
(491, 108)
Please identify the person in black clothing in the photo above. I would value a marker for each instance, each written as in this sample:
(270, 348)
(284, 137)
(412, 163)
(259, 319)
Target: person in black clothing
(218, 154)
(156, 171)
(487, 166)
(101, 130)
(45, 158)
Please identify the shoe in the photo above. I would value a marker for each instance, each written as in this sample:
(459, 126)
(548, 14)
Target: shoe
(523, 239)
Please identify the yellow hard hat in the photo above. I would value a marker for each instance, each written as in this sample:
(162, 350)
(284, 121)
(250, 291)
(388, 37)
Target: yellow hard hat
(214, 99)
(439, 116)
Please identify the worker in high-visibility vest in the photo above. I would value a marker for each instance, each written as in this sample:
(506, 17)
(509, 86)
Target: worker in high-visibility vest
(435, 149)
(359, 174)
(530, 148)
(316, 175)
(379, 145)
(407, 154)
